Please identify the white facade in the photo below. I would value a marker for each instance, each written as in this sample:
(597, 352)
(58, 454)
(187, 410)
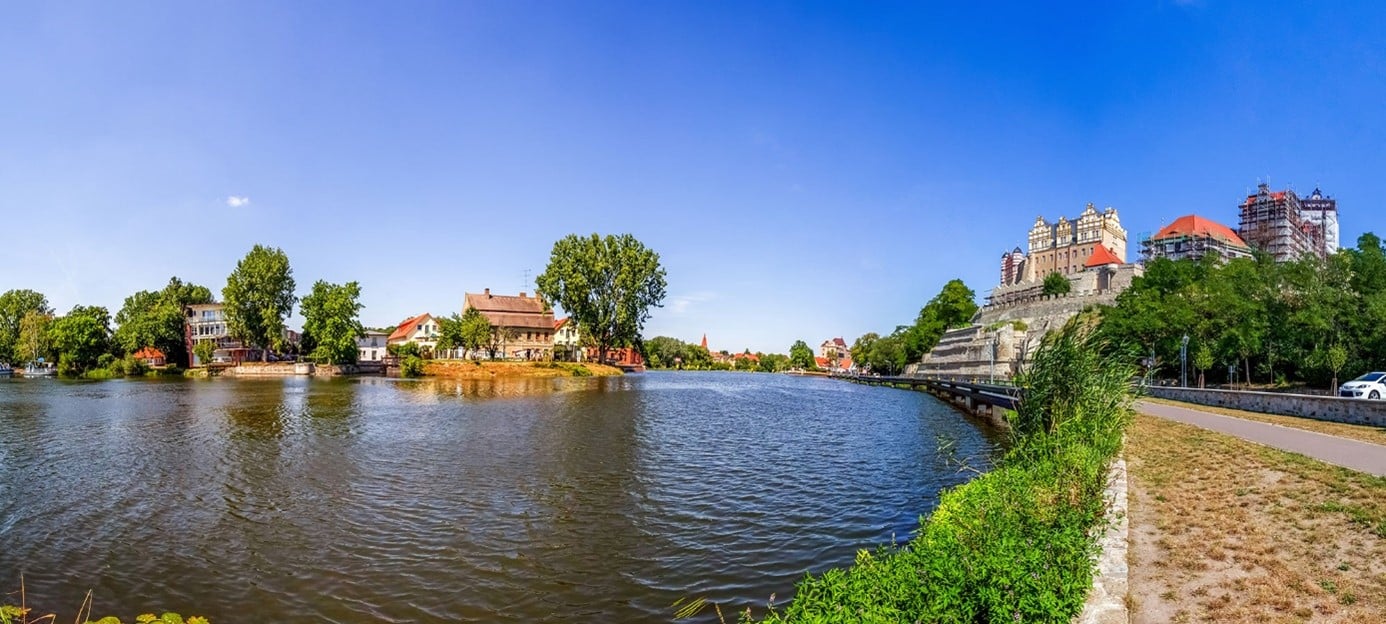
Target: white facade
(371, 347)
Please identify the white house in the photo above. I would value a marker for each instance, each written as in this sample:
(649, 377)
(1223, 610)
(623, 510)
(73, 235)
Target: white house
(421, 330)
(371, 347)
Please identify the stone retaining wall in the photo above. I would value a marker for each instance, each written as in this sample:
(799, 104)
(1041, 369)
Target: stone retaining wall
(1336, 409)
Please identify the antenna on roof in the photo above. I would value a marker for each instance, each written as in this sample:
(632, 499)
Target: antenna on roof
(524, 286)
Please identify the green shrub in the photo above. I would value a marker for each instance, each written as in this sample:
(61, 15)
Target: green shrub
(411, 366)
(132, 366)
(579, 370)
(10, 614)
(1017, 543)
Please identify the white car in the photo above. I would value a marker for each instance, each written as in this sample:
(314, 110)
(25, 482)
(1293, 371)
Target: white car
(1370, 386)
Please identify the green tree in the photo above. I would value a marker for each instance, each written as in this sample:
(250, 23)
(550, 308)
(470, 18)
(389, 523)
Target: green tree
(205, 350)
(801, 356)
(331, 314)
(606, 284)
(14, 306)
(33, 342)
(887, 355)
(662, 352)
(861, 348)
(1056, 284)
(953, 307)
(156, 318)
(259, 295)
(1335, 359)
(1202, 361)
(80, 338)
(471, 332)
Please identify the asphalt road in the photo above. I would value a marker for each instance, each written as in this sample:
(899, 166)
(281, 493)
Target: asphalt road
(1361, 456)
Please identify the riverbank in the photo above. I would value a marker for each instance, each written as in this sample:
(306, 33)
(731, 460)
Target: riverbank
(468, 369)
(1227, 530)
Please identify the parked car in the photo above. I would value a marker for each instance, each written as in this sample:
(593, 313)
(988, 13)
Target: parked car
(1370, 386)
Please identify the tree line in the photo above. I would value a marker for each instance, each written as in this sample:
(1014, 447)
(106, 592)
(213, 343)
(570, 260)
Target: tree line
(1254, 320)
(953, 307)
(258, 297)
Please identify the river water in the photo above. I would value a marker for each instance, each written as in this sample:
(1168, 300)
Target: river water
(368, 500)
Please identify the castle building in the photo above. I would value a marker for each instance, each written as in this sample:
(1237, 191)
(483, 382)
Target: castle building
(1192, 236)
(1065, 246)
(1274, 222)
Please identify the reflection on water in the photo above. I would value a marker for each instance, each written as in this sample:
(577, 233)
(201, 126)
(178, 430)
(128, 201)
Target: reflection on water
(550, 500)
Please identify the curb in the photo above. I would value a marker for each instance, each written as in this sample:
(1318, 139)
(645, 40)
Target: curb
(1106, 602)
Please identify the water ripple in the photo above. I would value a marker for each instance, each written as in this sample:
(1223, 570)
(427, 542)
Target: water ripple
(568, 500)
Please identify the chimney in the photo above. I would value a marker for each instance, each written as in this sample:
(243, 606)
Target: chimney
(522, 294)
(488, 293)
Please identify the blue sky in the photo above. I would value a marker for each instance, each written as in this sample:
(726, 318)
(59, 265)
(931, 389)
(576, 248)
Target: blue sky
(805, 170)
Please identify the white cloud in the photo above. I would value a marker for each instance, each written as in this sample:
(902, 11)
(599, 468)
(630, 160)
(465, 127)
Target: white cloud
(680, 304)
(236, 201)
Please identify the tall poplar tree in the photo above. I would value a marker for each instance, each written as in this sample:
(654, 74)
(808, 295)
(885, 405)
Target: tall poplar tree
(258, 296)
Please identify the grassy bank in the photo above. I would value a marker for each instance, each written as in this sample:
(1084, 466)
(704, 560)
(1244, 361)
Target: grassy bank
(468, 369)
(1224, 530)
(1017, 543)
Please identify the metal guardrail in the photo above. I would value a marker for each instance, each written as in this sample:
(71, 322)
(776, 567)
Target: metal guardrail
(1003, 396)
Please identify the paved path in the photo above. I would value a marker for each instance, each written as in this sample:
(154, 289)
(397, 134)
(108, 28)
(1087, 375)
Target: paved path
(1361, 456)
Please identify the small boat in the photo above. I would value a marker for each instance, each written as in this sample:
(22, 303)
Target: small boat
(40, 370)
(5, 370)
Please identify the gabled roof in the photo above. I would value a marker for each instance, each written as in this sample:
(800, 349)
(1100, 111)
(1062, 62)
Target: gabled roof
(559, 323)
(839, 342)
(487, 302)
(1101, 256)
(1194, 225)
(406, 327)
(149, 352)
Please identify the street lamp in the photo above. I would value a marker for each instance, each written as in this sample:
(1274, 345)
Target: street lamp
(995, 342)
(1184, 362)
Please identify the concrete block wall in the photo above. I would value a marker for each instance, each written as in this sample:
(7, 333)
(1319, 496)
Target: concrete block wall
(1336, 409)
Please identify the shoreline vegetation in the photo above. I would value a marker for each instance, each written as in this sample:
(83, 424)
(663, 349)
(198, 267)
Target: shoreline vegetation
(1016, 543)
(484, 370)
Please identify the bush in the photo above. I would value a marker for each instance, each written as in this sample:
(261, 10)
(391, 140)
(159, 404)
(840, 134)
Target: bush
(10, 614)
(133, 366)
(411, 366)
(1015, 544)
(579, 370)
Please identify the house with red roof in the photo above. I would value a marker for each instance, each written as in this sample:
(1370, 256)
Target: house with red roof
(421, 330)
(1194, 237)
(834, 349)
(151, 356)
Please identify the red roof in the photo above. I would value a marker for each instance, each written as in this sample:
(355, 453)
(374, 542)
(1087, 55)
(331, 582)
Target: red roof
(560, 323)
(149, 353)
(839, 342)
(1194, 225)
(822, 362)
(1101, 256)
(406, 327)
(704, 345)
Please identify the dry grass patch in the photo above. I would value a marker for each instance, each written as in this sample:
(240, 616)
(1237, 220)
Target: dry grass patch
(1224, 530)
(1361, 433)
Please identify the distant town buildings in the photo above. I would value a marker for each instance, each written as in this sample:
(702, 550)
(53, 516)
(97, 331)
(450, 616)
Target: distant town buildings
(1193, 237)
(524, 324)
(1275, 223)
(1064, 246)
